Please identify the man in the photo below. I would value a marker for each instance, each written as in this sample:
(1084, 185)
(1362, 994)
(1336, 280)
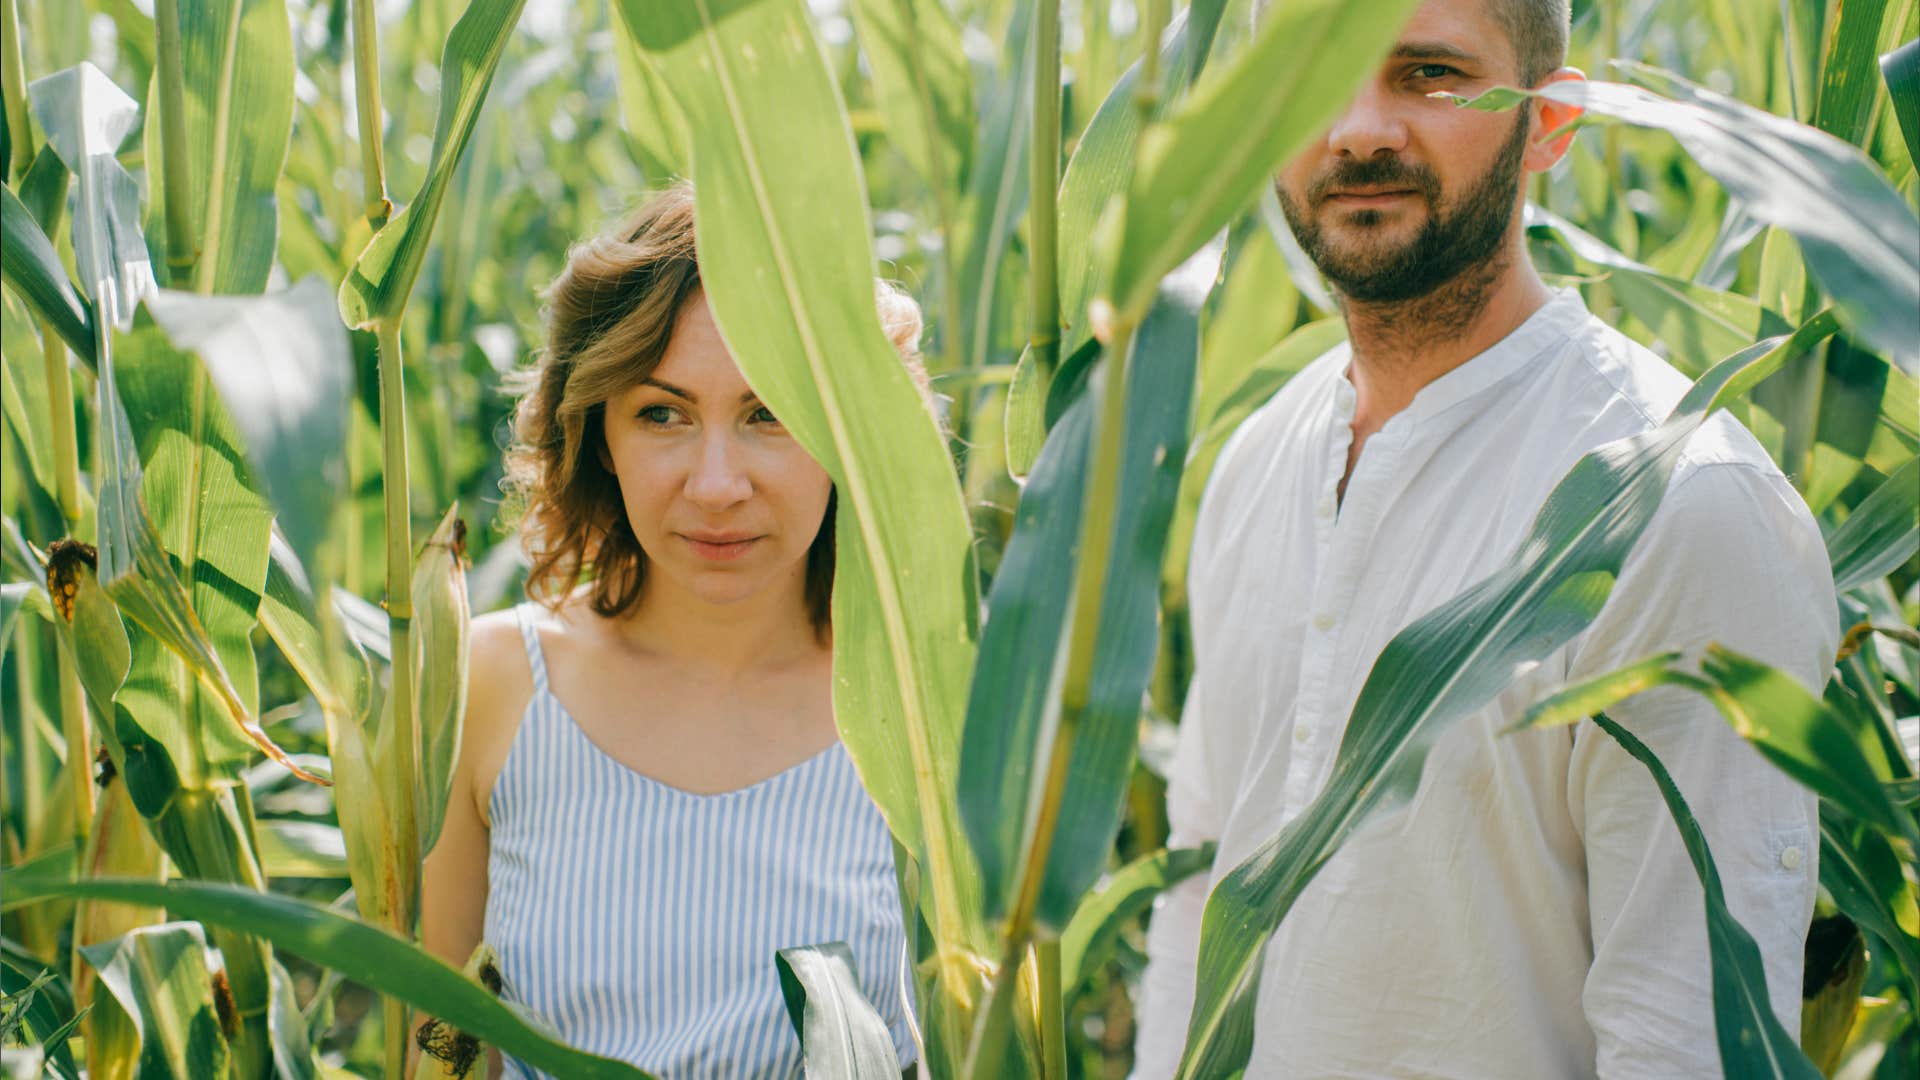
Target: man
(1532, 914)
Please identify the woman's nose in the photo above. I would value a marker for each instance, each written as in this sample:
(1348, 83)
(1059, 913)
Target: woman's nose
(719, 478)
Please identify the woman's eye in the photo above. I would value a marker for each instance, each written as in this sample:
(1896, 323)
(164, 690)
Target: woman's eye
(764, 415)
(657, 415)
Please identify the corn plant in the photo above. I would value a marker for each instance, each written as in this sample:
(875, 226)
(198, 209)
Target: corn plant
(265, 264)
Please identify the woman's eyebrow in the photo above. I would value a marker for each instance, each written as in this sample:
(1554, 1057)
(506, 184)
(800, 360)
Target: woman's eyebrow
(689, 395)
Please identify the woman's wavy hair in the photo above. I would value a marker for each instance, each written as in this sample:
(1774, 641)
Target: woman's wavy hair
(608, 318)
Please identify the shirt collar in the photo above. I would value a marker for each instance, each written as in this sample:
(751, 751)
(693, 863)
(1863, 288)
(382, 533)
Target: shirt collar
(1552, 324)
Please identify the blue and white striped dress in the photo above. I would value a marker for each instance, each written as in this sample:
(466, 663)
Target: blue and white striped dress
(640, 921)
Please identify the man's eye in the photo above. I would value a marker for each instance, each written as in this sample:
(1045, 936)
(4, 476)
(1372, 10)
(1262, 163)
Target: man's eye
(1434, 71)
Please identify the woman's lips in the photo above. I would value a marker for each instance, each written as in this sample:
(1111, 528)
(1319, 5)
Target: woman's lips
(719, 549)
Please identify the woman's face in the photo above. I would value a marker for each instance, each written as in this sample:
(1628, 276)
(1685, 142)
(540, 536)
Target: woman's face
(722, 499)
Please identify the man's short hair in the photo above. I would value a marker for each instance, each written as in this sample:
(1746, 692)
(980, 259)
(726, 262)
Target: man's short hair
(1538, 30)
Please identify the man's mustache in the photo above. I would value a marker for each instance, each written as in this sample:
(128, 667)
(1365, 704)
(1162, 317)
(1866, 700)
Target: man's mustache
(1375, 172)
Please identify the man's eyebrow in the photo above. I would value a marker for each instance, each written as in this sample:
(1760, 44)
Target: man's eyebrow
(688, 395)
(1432, 50)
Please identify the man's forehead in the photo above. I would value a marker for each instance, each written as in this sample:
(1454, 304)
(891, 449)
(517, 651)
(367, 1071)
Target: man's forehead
(1458, 30)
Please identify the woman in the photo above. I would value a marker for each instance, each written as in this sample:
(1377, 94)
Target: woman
(651, 797)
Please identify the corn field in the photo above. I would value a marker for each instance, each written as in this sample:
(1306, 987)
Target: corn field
(267, 264)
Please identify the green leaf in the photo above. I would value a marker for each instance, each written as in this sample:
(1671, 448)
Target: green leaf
(1881, 533)
(301, 849)
(159, 976)
(1790, 727)
(1101, 165)
(789, 275)
(34, 273)
(655, 130)
(1695, 322)
(1209, 160)
(12, 596)
(377, 286)
(284, 367)
(49, 1009)
(1103, 160)
(86, 117)
(1860, 869)
(293, 1051)
(1844, 106)
(922, 84)
(371, 956)
(195, 672)
(997, 192)
(1443, 666)
(1901, 70)
(1014, 710)
(1752, 1041)
(1861, 240)
(1119, 900)
(440, 621)
(237, 66)
(841, 1034)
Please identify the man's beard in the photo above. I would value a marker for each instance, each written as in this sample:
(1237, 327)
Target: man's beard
(1447, 245)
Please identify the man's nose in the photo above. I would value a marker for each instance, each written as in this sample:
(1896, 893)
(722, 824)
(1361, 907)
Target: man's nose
(719, 477)
(1370, 126)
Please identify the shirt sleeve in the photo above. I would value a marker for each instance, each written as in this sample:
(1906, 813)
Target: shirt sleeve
(1732, 557)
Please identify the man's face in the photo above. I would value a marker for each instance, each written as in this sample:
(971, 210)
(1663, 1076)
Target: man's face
(1406, 191)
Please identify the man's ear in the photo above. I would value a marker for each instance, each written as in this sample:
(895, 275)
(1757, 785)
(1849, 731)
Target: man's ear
(1547, 148)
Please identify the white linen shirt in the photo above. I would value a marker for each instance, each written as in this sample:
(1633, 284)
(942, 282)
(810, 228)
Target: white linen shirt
(1532, 913)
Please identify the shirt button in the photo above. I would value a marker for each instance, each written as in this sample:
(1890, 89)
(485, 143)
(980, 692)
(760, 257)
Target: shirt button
(1790, 858)
(1301, 734)
(1323, 621)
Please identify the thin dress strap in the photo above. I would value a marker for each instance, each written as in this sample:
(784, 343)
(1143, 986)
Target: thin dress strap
(530, 634)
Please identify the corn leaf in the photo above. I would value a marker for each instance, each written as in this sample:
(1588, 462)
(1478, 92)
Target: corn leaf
(1013, 712)
(841, 1035)
(371, 956)
(284, 367)
(34, 274)
(1844, 105)
(1101, 164)
(1901, 71)
(789, 275)
(996, 196)
(1881, 533)
(213, 524)
(1695, 322)
(1859, 867)
(159, 976)
(1862, 242)
(237, 67)
(1089, 939)
(378, 284)
(922, 83)
(1103, 161)
(440, 620)
(1790, 727)
(1208, 161)
(1443, 666)
(44, 1009)
(1752, 1041)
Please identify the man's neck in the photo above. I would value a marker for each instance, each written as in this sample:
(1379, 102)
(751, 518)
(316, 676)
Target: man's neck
(1398, 348)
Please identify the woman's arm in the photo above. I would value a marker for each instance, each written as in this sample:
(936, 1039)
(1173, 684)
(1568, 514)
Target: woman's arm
(454, 887)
